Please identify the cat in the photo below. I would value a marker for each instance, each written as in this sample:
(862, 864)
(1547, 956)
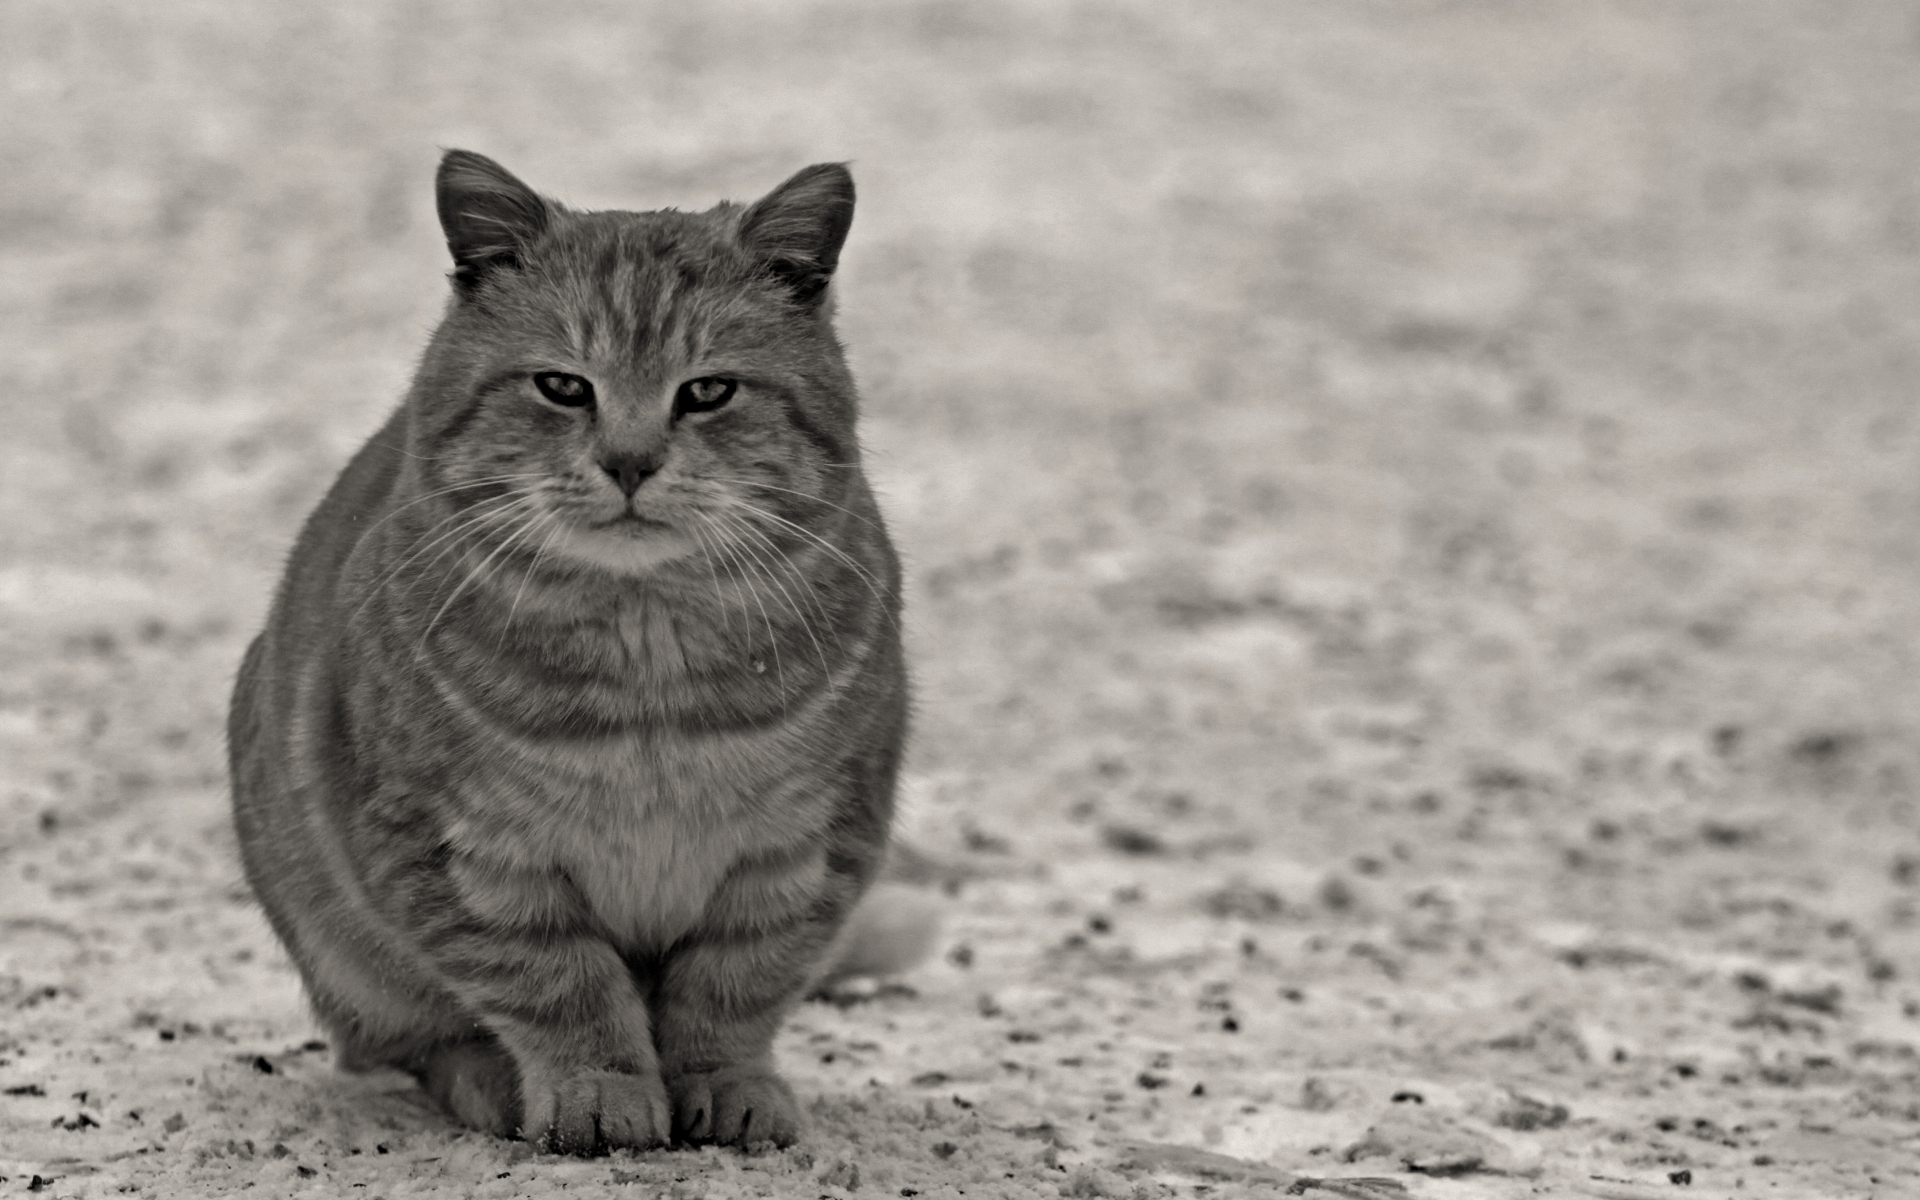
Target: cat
(570, 743)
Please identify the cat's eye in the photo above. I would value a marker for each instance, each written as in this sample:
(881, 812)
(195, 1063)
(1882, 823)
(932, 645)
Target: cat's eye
(703, 395)
(570, 391)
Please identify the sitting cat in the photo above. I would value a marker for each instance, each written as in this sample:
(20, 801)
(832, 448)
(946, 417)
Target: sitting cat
(570, 742)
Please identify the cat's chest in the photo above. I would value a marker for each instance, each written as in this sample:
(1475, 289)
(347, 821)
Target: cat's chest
(647, 852)
(648, 880)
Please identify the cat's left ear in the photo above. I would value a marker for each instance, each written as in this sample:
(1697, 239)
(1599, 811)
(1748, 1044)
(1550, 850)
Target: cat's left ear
(797, 229)
(489, 216)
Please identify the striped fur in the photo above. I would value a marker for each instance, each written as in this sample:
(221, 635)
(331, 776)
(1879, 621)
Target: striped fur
(557, 797)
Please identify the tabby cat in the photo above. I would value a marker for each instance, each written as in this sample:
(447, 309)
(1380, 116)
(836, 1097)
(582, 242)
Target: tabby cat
(569, 745)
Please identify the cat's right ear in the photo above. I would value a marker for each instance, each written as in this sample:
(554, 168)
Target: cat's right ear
(490, 217)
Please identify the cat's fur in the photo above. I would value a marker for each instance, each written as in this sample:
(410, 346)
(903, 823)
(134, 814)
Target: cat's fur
(559, 795)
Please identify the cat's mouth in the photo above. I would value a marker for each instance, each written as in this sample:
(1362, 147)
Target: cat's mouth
(628, 544)
(633, 522)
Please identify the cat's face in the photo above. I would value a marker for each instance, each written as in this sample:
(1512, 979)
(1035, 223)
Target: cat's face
(630, 390)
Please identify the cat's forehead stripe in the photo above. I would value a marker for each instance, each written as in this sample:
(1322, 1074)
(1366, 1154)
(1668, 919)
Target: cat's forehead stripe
(634, 287)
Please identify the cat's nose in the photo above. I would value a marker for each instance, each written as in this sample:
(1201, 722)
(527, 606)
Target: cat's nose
(629, 470)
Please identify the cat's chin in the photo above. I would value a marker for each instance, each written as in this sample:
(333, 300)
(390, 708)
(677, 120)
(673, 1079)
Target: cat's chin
(625, 550)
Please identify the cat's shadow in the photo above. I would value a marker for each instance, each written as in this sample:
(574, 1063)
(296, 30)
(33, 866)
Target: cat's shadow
(383, 1100)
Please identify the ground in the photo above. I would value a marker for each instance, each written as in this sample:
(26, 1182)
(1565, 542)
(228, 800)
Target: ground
(1414, 540)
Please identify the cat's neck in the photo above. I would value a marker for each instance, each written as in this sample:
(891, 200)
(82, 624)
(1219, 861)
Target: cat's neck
(529, 639)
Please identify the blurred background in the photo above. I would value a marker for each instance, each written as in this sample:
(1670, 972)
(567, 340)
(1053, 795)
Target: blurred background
(1342, 450)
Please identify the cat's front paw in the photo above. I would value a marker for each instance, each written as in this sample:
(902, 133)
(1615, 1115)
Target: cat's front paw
(735, 1106)
(603, 1110)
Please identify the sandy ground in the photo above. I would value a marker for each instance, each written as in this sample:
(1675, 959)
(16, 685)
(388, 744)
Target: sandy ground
(1414, 528)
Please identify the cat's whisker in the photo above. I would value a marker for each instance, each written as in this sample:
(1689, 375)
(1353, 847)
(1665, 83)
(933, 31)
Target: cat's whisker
(461, 525)
(808, 587)
(752, 483)
(873, 585)
(773, 635)
(773, 638)
(463, 521)
(455, 539)
(829, 547)
(699, 532)
(398, 449)
(521, 528)
(483, 481)
(798, 614)
(555, 529)
(738, 584)
(520, 533)
(804, 584)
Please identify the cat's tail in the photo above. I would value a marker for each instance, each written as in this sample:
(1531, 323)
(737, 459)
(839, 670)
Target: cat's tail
(892, 929)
